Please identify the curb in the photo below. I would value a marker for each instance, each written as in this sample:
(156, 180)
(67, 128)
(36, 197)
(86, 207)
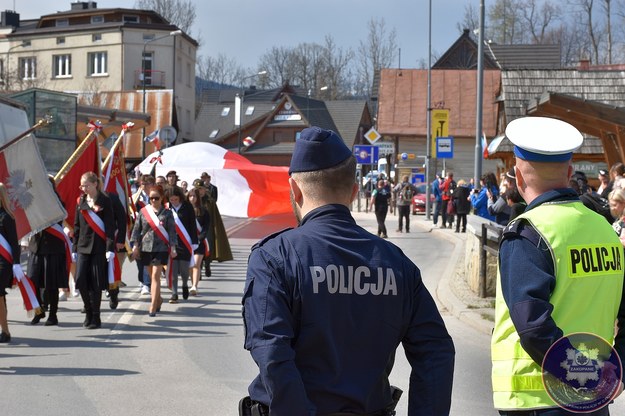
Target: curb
(444, 294)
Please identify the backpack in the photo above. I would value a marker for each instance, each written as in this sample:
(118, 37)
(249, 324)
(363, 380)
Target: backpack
(597, 203)
(406, 193)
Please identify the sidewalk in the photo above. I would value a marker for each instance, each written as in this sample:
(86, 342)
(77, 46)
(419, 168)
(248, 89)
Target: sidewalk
(452, 292)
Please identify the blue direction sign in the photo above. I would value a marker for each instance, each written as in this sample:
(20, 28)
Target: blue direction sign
(367, 155)
(445, 147)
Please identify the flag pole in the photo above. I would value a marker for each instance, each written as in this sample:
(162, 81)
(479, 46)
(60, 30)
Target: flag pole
(45, 120)
(125, 127)
(70, 162)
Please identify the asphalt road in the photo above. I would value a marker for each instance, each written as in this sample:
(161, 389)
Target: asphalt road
(190, 358)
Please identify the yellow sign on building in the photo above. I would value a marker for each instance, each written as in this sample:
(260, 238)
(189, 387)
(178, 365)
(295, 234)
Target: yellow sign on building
(439, 128)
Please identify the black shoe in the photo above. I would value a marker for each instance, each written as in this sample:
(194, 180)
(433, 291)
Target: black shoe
(4, 338)
(38, 317)
(52, 320)
(86, 323)
(207, 269)
(113, 304)
(185, 292)
(173, 299)
(95, 323)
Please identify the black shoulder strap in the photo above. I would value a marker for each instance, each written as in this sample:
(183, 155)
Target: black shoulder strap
(521, 228)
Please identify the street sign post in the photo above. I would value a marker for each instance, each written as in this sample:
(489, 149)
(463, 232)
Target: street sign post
(367, 155)
(445, 147)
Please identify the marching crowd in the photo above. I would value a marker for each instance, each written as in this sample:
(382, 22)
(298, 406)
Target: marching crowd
(174, 231)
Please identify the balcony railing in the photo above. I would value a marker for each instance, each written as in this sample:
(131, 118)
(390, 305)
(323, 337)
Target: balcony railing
(153, 79)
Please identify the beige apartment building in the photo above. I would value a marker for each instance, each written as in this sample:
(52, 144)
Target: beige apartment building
(120, 59)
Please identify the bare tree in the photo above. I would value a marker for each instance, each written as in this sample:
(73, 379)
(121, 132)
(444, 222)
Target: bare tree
(178, 12)
(584, 11)
(337, 62)
(222, 69)
(470, 20)
(377, 52)
(537, 21)
(279, 63)
(504, 22)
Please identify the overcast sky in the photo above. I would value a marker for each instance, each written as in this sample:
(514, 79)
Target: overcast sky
(245, 29)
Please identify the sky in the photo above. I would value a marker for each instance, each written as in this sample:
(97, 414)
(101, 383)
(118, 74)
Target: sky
(246, 29)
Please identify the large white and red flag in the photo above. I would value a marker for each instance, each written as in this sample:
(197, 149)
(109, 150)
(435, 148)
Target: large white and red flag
(31, 196)
(245, 189)
(86, 158)
(114, 170)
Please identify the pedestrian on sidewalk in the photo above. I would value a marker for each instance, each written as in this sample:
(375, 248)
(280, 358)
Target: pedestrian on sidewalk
(447, 189)
(435, 188)
(322, 349)
(545, 293)
(462, 203)
(404, 192)
(379, 204)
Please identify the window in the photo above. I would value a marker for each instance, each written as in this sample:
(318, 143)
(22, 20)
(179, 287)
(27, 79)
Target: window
(97, 63)
(188, 74)
(96, 37)
(97, 19)
(213, 133)
(225, 111)
(249, 110)
(130, 19)
(60, 41)
(62, 65)
(148, 37)
(28, 67)
(62, 22)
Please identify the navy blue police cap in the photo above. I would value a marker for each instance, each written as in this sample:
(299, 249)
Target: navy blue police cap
(543, 139)
(318, 149)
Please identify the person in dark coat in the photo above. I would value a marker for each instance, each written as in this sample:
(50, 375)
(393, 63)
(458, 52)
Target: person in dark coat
(203, 224)
(186, 230)
(9, 267)
(462, 203)
(121, 227)
(48, 268)
(326, 305)
(94, 246)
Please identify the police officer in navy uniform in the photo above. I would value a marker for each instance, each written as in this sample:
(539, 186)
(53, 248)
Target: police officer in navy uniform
(545, 291)
(327, 303)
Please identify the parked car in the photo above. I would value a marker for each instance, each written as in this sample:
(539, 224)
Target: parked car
(418, 200)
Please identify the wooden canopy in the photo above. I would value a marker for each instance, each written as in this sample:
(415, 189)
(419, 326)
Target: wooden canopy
(607, 122)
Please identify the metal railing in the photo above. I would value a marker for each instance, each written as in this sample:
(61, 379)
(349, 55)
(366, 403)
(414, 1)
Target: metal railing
(153, 79)
(485, 248)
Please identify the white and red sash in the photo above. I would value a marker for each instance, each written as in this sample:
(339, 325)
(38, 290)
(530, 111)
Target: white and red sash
(26, 286)
(207, 251)
(97, 225)
(154, 223)
(184, 236)
(57, 231)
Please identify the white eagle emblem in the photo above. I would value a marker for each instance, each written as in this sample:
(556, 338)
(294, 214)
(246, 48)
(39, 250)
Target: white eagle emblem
(19, 189)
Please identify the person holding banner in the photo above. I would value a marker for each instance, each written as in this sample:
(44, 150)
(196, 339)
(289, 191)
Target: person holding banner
(94, 246)
(186, 230)
(203, 224)
(154, 241)
(9, 259)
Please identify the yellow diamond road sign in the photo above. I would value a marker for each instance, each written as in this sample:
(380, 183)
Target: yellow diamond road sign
(372, 135)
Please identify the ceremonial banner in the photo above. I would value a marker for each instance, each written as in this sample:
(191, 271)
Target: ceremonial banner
(86, 158)
(31, 196)
(115, 176)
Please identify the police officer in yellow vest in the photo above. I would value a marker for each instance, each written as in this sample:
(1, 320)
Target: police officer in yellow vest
(549, 285)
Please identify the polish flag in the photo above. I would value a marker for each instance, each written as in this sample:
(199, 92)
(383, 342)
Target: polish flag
(248, 141)
(34, 203)
(484, 146)
(86, 158)
(246, 189)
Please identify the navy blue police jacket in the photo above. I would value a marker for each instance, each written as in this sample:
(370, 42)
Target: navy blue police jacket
(325, 307)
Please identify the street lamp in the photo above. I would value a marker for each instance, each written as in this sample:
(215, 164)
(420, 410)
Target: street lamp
(145, 43)
(8, 73)
(239, 105)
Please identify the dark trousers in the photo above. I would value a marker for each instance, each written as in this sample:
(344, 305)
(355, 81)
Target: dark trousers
(404, 212)
(463, 218)
(380, 216)
(552, 412)
(435, 211)
(444, 214)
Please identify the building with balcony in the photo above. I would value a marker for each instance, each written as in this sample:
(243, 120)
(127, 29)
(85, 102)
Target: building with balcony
(120, 59)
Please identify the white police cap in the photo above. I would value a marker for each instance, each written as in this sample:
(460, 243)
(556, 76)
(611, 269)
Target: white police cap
(543, 139)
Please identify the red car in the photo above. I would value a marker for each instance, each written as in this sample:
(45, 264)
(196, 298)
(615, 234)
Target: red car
(418, 200)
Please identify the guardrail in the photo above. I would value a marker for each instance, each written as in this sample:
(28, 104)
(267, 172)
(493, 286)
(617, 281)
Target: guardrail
(485, 248)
